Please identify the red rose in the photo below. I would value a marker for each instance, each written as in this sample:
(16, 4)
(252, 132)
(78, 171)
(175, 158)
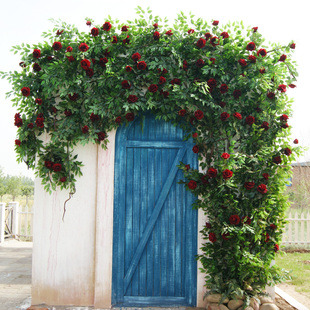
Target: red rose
(270, 95)
(48, 164)
(227, 174)
(208, 35)
(251, 46)
(200, 63)
(85, 64)
(141, 65)
(128, 69)
(224, 35)
(126, 84)
(292, 46)
(282, 58)
(36, 53)
(224, 116)
(36, 67)
(192, 184)
(169, 33)
(195, 135)
(252, 58)
(237, 115)
(285, 125)
(201, 43)
(164, 71)
(195, 149)
(182, 112)
(25, 91)
(17, 142)
(185, 65)
(153, 88)
(282, 88)
(127, 40)
(132, 98)
(262, 188)
(199, 114)
(225, 236)
(101, 136)
(130, 117)
(73, 97)
(85, 129)
(22, 64)
(246, 220)
(212, 59)
(114, 41)
(250, 120)
(212, 237)
(212, 83)
(187, 167)
(190, 31)
(225, 155)
(155, 25)
(215, 23)
(107, 26)
(287, 151)
(249, 185)
(94, 32)
(118, 120)
(265, 125)
(70, 58)
(38, 101)
(237, 93)
(277, 160)
(59, 32)
(162, 80)
(255, 29)
(69, 49)
(156, 35)
(40, 122)
(88, 23)
(63, 179)
(125, 28)
(284, 117)
(212, 172)
(175, 81)
(273, 226)
(18, 122)
(89, 72)
(222, 104)
(295, 141)
(262, 52)
(267, 237)
(165, 94)
(266, 176)
(57, 46)
(223, 88)
(292, 85)
(103, 62)
(57, 167)
(242, 62)
(234, 219)
(276, 248)
(208, 225)
(214, 41)
(262, 70)
(68, 113)
(83, 47)
(30, 125)
(94, 117)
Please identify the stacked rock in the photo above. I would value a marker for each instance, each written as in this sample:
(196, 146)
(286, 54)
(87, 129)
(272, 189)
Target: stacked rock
(262, 303)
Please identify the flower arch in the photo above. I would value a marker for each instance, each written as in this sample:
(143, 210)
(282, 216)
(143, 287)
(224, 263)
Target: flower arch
(221, 84)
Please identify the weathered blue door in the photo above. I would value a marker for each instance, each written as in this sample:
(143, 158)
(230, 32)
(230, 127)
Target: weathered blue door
(155, 227)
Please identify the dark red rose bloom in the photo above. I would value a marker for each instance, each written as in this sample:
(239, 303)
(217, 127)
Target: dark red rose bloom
(107, 26)
(17, 142)
(242, 62)
(225, 35)
(255, 29)
(103, 62)
(285, 125)
(250, 120)
(162, 80)
(237, 93)
(118, 120)
(200, 63)
(36, 67)
(182, 112)
(199, 114)
(227, 174)
(262, 52)
(101, 136)
(175, 81)
(223, 88)
(201, 43)
(94, 117)
(208, 225)
(163, 71)
(94, 32)
(68, 113)
(212, 172)
(225, 155)
(169, 33)
(63, 179)
(187, 167)
(237, 115)
(36, 53)
(155, 25)
(30, 125)
(153, 88)
(132, 98)
(190, 31)
(70, 58)
(214, 41)
(40, 122)
(212, 83)
(267, 237)
(287, 151)
(225, 236)
(53, 110)
(83, 47)
(165, 94)
(130, 117)
(212, 59)
(282, 88)
(23, 65)
(252, 58)
(73, 97)
(258, 109)
(270, 95)
(57, 167)
(277, 160)
(48, 164)
(266, 176)
(284, 117)
(282, 58)
(262, 70)
(114, 41)
(195, 135)
(127, 40)
(192, 184)
(25, 91)
(69, 49)
(215, 23)
(234, 219)
(18, 122)
(276, 248)
(246, 220)
(208, 35)
(295, 141)
(262, 188)
(265, 125)
(128, 69)
(292, 46)
(39, 101)
(126, 84)
(249, 185)
(292, 85)
(89, 72)
(141, 65)
(212, 237)
(156, 35)
(88, 23)
(224, 116)
(273, 226)
(195, 149)
(85, 129)
(185, 65)
(57, 46)
(85, 64)
(222, 104)
(125, 28)
(251, 46)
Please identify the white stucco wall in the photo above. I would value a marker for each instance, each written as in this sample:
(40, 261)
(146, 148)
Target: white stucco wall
(72, 260)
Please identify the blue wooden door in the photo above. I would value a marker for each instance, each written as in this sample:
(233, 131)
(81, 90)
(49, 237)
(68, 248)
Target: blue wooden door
(155, 227)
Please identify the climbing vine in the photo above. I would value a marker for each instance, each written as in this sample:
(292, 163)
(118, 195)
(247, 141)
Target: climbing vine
(221, 83)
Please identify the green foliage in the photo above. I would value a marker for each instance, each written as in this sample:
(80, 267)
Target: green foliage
(219, 87)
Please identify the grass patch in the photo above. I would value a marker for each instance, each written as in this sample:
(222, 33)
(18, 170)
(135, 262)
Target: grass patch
(299, 266)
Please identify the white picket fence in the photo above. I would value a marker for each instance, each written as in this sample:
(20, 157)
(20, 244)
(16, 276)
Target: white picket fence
(15, 221)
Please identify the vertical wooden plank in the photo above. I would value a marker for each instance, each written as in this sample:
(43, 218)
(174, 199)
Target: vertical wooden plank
(308, 228)
(296, 220)
(26, 221)
(302, 228)
(290, 228)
